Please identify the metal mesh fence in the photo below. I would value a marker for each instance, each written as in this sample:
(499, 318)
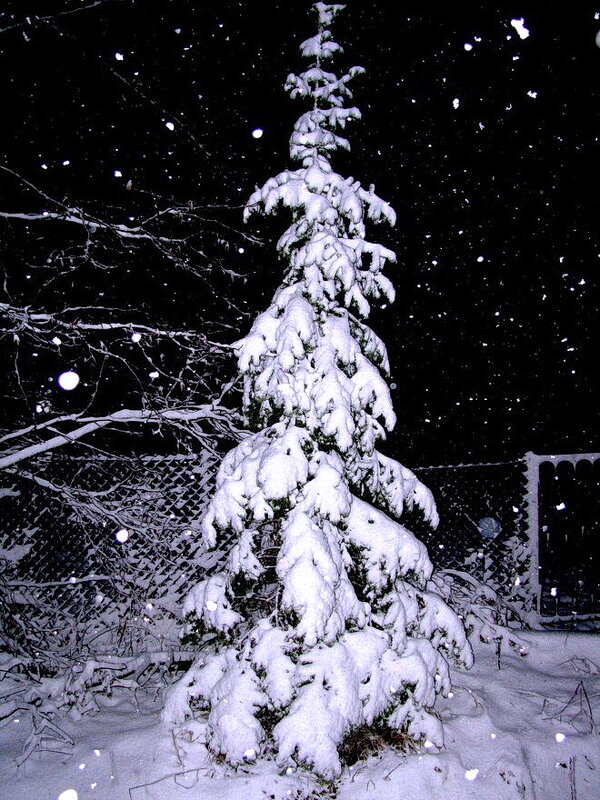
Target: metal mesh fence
(96, 554)
(483, 527)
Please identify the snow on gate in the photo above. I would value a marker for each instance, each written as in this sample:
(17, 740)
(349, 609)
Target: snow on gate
(97, 553)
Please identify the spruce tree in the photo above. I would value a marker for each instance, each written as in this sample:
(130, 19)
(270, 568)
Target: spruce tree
(322, 619)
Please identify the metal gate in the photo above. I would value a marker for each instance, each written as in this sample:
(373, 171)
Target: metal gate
(564, 519)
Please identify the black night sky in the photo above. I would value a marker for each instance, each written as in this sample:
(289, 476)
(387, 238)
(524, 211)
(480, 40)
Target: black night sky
(485, 143)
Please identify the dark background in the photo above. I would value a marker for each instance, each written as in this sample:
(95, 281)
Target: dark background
(493, 334)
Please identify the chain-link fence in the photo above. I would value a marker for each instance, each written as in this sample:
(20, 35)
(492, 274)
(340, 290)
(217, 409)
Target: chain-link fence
(483, 527)
(96, 554)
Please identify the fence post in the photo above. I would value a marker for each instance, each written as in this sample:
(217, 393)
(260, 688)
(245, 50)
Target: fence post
(532, 462)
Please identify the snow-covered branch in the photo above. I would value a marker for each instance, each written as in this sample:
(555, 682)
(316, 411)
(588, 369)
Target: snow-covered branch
(77, 217)
(84, 426)
(177, 231)
(40, 321)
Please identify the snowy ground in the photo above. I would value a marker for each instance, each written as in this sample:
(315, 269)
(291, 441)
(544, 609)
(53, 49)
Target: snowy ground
(530, 729)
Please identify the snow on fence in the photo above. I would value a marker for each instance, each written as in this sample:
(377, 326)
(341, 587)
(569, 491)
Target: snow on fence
(96, 554)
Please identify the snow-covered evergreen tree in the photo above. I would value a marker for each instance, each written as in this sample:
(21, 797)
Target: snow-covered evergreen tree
(324, 623)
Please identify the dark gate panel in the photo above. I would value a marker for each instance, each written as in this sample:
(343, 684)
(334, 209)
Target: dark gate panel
(569, 525)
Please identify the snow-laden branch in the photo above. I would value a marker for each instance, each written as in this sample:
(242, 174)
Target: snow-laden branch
(145, 229)
(39, 319)
(92, 224)
(87, 425)
(66, 213)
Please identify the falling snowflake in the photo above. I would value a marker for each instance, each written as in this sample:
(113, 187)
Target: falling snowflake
(68, 380)
(519, 26)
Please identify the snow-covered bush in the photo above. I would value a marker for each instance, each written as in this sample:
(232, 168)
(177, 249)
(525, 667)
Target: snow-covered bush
(322, 622)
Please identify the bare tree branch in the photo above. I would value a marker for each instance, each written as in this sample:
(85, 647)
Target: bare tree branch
(34, 18)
